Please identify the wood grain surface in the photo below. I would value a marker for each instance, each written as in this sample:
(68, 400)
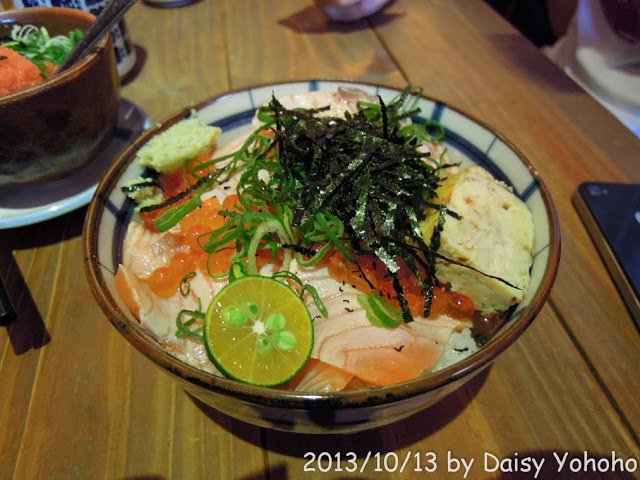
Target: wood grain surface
(78, 402)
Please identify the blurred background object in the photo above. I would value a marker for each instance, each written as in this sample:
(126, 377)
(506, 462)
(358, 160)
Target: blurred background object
(350, 10)
(169, 3)
(125, 53)
(7, 312)
(595, 42)
(533, 17)
(54, 129)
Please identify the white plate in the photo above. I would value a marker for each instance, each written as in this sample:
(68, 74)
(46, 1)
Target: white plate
(21, 206)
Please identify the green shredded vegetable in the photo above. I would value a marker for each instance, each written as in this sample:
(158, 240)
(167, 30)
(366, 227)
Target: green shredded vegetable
(170, 218)
(304, 288)
(185, 286)
(189, 323)
(379, 312)
(309, 184)
(38, 46)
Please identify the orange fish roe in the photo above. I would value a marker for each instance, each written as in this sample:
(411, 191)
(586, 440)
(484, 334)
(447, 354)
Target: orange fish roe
(445, 301)
(191, 257)
(18, 72)
(165, 281)
(175, 183)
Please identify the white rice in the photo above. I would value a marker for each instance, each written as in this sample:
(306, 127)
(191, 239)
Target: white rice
(460, 346)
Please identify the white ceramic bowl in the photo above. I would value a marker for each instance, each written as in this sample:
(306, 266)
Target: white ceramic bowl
(468, 141)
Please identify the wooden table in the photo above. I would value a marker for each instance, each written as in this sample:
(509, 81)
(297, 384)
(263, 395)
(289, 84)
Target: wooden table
(78, 402)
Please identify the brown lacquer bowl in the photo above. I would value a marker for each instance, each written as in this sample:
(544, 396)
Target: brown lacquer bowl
(51, 130)
(468, 140)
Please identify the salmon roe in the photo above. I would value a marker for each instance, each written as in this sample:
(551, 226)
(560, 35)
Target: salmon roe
(373, 273)
(191, 257)
(173, 184)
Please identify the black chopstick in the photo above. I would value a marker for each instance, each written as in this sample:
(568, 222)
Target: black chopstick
(7, 312)
(103, 24)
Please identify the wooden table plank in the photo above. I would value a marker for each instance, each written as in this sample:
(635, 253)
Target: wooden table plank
(29, 274)
(182, 56)
(497, 66)
(289, 40)
(231, 448)
(69, 382)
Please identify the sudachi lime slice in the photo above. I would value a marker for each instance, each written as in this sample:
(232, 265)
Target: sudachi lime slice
(257, 330)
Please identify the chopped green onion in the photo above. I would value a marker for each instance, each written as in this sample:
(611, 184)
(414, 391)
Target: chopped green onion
(237, 271)
(271, 226)
(171, 217)
(185, 286)
(305, 288)
(38, 46)
(185, 326)
(379, 312)
(310, 183)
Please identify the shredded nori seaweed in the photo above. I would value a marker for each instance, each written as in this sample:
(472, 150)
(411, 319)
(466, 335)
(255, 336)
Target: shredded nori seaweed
(361, 184)
(369, 173)
(144, 183)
